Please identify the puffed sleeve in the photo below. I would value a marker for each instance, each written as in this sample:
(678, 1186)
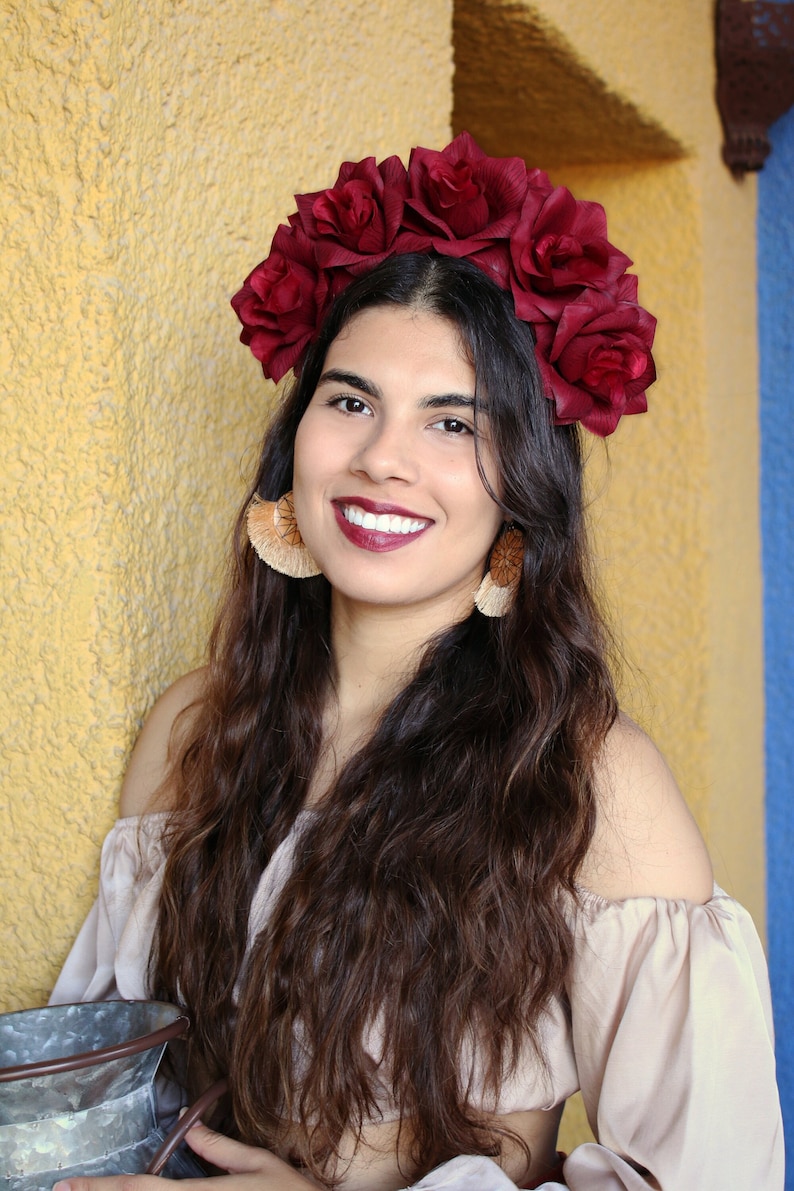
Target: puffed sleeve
(110, 955)
(672, 1034)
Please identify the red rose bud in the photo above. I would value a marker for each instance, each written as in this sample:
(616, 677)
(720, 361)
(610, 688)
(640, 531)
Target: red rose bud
(453, 184)
(354, 223)
(351, 215)
(562, 243)
(460, 194)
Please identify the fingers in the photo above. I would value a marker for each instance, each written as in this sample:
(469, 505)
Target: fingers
(250, 1168)
(224, 1152)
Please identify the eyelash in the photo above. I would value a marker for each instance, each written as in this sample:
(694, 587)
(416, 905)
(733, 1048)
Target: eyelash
(461, 427)
(339, 401)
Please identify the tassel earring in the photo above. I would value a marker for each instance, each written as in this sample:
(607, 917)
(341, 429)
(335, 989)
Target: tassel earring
(497, 592)
(274, 535)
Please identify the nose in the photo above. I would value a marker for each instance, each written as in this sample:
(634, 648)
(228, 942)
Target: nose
(388, 452)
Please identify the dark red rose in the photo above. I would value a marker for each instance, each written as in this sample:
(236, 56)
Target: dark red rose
(282, 302)
(560, 246)
(597, 362)
(353, 225)
(463, 198)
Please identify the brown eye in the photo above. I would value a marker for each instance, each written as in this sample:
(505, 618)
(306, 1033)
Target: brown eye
(351, 405)
(452, 426)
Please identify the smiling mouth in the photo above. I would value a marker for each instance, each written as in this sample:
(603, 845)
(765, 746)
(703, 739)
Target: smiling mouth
(382, 522)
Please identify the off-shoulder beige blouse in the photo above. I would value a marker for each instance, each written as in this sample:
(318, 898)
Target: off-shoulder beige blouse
(667, 1028)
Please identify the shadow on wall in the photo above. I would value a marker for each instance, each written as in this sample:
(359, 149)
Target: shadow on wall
(517, 84)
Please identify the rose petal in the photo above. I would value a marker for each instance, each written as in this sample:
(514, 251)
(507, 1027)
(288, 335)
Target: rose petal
(492, 259)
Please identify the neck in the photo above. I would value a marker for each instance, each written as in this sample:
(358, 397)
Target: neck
(377, 650)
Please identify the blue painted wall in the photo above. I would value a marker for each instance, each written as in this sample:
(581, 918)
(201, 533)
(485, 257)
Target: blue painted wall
(776, 343)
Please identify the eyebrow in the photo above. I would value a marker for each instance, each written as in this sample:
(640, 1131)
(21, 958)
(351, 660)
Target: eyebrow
(437, 401)
(338, 377)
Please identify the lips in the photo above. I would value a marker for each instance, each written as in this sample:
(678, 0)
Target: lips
(371, 525)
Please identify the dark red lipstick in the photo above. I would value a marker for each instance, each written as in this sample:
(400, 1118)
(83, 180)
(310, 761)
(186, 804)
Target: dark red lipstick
(372, 539)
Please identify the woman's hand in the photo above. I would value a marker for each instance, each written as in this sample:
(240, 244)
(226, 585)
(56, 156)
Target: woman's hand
(249, 1169)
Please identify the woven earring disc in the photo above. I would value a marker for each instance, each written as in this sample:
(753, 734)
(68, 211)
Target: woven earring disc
(506, 558)
(284, 521)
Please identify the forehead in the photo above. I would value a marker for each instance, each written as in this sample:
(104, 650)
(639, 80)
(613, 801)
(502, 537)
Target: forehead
(401, 339)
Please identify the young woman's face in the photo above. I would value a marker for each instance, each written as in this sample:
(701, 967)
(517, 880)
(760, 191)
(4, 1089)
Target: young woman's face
(388, 496)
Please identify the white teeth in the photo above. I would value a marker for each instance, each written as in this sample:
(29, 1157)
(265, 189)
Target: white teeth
(384, 523)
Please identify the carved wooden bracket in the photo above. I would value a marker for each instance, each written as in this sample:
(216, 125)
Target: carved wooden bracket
(755, 76)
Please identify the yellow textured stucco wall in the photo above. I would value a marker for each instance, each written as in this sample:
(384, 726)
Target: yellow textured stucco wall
(149, 148)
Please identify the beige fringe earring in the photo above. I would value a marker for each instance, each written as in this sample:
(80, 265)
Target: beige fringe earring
(275, 536)
(497, 592)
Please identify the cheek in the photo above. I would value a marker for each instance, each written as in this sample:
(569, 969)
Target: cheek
(303, 437)
(487, 514)
(469, 494)
(492, 474)
(308, 456)
(476, 513)
(304, 467)
(321, 445)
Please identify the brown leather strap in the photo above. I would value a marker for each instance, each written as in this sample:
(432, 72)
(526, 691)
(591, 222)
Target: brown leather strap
(91, 1058)
(186, 1122)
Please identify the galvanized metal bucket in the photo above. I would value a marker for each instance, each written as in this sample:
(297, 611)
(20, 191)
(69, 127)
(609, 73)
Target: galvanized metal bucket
(77, 1093)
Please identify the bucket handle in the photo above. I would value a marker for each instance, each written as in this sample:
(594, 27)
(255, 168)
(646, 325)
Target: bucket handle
(120, 1050)
(186, 1122)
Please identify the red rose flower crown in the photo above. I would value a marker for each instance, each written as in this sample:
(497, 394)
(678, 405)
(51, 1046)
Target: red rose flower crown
(592, 338)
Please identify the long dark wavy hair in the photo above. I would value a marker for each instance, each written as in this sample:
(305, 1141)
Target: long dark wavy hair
(426, 897)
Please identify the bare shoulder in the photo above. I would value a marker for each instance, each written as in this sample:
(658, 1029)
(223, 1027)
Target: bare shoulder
(646, 841)
(165, 728)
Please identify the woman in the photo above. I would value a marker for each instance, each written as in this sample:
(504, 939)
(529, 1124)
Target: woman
(415, 877)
